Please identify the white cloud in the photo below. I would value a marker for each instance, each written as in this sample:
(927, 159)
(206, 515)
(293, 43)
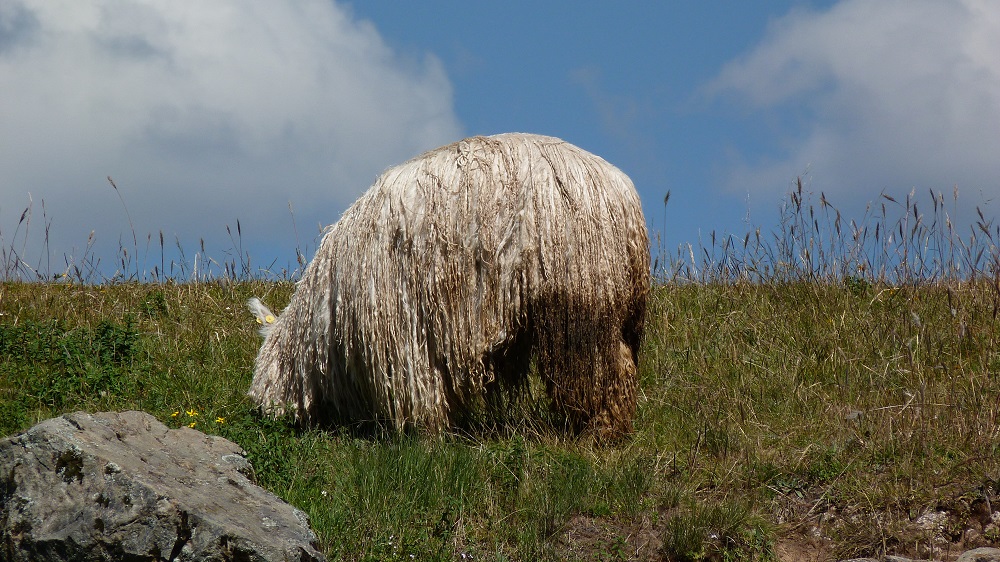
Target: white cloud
(203, 112)
(893, 95)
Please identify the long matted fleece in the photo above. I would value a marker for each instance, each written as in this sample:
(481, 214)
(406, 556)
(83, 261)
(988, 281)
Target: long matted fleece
(444, 279)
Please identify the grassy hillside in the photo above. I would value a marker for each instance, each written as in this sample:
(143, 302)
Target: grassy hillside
(826, 389)
(768, 413)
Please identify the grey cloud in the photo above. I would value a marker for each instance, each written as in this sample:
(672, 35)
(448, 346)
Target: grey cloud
(17, 26)
(889, 95)
(204, 113)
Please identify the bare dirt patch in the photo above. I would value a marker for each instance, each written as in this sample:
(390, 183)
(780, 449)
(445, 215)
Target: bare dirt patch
(805, 532)
(590, 538)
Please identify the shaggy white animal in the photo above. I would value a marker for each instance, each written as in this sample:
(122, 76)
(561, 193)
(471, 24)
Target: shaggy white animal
(455, 269)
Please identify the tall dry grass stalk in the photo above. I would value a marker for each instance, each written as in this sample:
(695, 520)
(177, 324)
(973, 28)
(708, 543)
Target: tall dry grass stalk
(893, 242)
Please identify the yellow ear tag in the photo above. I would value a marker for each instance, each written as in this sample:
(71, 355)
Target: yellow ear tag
(269, 319)
(259, 321)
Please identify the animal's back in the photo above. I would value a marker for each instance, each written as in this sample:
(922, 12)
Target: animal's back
(455, 257)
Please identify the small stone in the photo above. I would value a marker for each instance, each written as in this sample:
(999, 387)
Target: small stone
(972, 537)
(984, 554)
(932, 521)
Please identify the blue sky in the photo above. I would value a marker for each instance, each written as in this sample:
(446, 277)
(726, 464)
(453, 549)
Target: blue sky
(627, 84)
(209, 113)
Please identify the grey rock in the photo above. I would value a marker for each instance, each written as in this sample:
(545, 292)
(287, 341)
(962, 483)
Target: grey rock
(975, 555)
(114, 486)
(985, 554)
(888, 558)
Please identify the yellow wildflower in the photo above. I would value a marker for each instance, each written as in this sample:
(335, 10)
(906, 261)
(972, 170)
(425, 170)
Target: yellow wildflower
(175, 414)
(192, 413)
(220, 420)
(192, 424)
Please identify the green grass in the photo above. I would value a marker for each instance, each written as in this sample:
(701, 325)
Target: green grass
(852, 403)
(756, 400)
